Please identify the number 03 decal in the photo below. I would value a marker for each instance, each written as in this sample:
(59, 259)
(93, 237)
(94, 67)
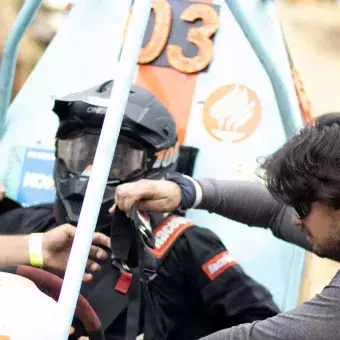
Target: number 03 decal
(199, 36)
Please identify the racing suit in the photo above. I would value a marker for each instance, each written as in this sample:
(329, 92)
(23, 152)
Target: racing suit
(199, 287)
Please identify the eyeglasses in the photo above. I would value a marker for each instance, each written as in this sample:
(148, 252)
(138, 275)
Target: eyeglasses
(302, 210)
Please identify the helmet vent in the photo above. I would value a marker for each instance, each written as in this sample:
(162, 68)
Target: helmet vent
(166, 130)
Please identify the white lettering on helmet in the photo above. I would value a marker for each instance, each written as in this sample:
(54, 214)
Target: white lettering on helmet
(96, 109)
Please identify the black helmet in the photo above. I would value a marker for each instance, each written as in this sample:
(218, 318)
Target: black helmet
(147, 126)
(147, 145)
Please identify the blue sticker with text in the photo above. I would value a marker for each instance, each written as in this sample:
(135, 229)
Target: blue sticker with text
(36, 183)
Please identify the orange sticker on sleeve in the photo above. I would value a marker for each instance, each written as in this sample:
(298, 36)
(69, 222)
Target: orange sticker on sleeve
(218, 264)
(168, 232)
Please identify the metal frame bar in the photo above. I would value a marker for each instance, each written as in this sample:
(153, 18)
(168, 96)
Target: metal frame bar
(102, 162)
(10, 54)
(288, 108)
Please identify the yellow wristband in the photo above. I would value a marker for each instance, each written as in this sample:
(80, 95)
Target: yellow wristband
(35, 250)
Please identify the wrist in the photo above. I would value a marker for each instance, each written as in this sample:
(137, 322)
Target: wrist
(22, 242)
(198, 192)
(36, 253)
(191, 192)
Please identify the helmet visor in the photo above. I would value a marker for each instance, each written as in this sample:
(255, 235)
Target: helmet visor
(78, 153)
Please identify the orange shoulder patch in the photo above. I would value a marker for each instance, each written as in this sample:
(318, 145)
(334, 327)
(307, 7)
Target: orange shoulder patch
(167, 233)
(218, 264)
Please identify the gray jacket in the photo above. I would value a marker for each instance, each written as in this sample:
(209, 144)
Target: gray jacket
(252, 204)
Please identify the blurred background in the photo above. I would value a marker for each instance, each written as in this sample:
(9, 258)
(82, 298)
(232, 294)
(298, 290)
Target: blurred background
(312, 29)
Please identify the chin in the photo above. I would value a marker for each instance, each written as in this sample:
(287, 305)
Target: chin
(327, 253)
(320, 251)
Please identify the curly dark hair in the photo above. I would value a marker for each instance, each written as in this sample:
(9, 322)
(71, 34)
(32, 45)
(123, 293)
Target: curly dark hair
(306, 168)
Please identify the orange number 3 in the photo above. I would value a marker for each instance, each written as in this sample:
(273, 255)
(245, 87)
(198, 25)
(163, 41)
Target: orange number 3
(199, 36)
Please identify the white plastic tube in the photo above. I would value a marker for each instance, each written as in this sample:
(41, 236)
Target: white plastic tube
(101, 165)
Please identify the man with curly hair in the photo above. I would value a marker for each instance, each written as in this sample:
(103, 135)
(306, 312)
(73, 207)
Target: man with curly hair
(301, 205)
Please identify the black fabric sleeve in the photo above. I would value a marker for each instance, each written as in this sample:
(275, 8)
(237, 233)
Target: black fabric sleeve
(229, 296)
(26, 220)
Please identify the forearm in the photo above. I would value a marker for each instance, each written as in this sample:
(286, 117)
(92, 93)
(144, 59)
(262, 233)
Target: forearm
(14, 250)
(251, 204)
(245, 202)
